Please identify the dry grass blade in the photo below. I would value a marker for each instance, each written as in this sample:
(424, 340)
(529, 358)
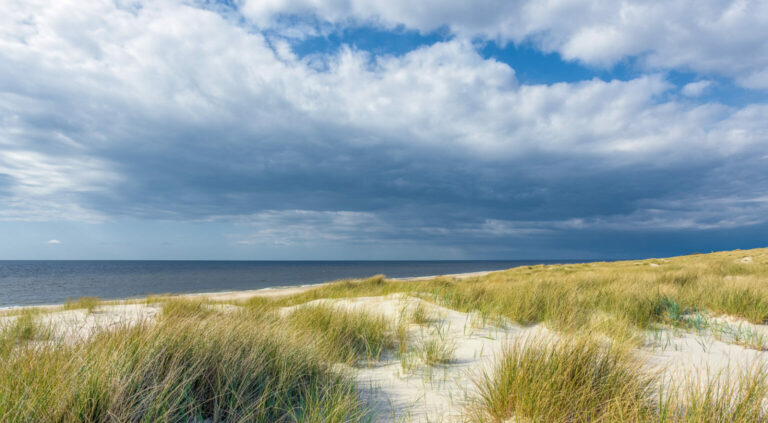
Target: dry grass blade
(224, 368)
(350, 334)
(564, 380)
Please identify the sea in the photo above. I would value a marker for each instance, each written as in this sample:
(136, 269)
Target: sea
(36, 282)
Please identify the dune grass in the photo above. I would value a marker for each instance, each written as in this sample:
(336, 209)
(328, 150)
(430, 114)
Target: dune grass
(636, 295)
(184, 308)
(564, 380)
(401, 335)
(435, 349)
(738, 398)
(88, 303)
(581, 379)
(420, 315)
(22, 329)
(348, 334)
(180, 369)
(617, 301)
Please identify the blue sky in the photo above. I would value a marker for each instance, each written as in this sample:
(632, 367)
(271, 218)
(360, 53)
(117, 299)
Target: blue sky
(359, 129)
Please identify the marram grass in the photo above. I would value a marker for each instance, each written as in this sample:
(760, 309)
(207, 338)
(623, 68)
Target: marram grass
(549, 379)
(347, 334)
(87, 303)
(637, 294)
(221, 367)
(20, 330)
(582, 379)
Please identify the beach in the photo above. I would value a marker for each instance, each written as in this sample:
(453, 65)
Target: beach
(239, 295)
(293, 290)
(44, 282)
(443, 353)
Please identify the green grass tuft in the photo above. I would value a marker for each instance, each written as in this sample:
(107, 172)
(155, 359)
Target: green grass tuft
(420, 315)
(88, 303)
(21, 330)
(435, 348)
(564, 380)
(184, 308)
(223, 368)
(350, 334)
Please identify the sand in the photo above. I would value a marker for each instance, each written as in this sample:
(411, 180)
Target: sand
(78, 323)
(423, 393)
(293, 290)
(243, 295)
(717, 352)
(441, 393)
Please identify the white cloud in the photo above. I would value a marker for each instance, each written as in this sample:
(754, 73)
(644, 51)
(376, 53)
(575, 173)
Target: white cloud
(54, 241)
(36, 178)
(186, 66)
(696, 88)
(711, 36)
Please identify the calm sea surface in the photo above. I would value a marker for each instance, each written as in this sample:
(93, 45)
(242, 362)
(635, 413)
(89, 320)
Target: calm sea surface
(50, 282)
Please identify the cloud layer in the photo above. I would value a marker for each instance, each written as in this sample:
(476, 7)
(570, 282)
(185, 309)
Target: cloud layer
(710, 36)
(172, 110)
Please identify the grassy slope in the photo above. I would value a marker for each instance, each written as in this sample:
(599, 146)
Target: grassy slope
(613, 296)
(193, 364)
(579, 378)
(254, 365)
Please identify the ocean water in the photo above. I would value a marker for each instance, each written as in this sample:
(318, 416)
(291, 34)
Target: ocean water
(52, 282)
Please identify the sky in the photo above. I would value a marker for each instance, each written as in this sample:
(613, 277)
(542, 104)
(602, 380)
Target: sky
(384, 130)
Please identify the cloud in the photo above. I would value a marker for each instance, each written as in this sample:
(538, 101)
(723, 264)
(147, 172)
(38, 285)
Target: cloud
(54, 241)
(34, 178)
(683, 35)
(696, 88)
(168, 111)
(286, 227)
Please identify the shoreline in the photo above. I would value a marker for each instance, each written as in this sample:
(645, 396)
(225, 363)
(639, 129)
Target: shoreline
(238, 295)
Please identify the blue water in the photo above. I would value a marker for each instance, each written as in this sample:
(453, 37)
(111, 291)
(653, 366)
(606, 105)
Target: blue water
(51, 282)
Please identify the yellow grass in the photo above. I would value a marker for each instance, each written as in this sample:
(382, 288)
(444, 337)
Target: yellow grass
(637, 294)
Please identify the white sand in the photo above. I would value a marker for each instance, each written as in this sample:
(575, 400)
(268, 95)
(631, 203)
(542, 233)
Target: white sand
(440, 393)
(72, 325)
(246, 294)
(243, 295)
(716, 352)
(428, 394)
(292, 290)
(78, 323)
(450, 275)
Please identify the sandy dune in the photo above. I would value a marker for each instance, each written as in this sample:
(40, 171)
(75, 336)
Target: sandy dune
(425, 393)
(292, 290)
(420, 393)
(439, 393)
(695, 357)
(79, 324)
